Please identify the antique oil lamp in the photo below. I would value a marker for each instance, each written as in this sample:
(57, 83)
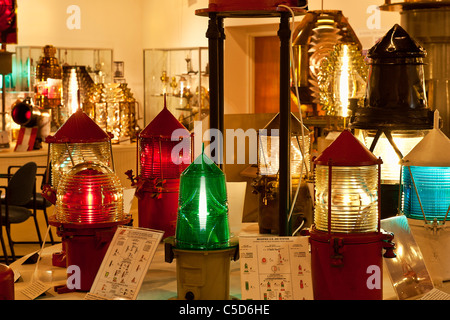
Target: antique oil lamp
(346, 239)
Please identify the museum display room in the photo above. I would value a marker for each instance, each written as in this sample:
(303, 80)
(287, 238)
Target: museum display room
(226, 150)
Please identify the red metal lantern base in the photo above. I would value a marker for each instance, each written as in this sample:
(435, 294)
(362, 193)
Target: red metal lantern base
(347, 266)
(84, 246)
(159, 213)
(158, 210)
(6, 283)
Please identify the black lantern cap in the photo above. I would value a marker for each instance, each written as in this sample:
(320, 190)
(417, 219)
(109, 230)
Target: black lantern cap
(396, 44)
(395, 93)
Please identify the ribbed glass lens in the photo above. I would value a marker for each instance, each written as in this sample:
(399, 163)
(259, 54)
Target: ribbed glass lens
(156, 158)
(62, 155)
(354, 203)
(202, 221)
(268, 153)
(89, 193)
(433, 186)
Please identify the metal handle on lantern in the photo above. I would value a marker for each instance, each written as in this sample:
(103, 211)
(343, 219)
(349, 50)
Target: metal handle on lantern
(389, 245)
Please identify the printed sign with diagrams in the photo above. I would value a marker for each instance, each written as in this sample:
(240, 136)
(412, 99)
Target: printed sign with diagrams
(125, 264)
(275, 268)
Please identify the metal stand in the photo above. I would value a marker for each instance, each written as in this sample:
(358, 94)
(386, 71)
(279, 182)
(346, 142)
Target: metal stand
(216, 37)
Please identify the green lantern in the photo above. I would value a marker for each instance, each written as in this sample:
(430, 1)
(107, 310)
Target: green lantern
(202, 222)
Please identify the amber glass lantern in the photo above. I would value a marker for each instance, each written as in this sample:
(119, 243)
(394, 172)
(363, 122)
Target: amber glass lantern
(314, 39)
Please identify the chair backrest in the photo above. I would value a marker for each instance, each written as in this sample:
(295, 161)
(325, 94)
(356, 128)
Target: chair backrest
(21, 185)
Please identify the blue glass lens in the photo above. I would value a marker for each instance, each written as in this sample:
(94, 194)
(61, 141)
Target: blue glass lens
(433, 186)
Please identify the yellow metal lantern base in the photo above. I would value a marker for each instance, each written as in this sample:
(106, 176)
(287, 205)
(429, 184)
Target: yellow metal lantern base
(202, 274)
(434, 243)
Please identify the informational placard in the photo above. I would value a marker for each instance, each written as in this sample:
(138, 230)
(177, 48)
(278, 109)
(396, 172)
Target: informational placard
(275, 268)
(125, 264)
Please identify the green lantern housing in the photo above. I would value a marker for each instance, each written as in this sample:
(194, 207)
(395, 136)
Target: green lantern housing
(202, 221)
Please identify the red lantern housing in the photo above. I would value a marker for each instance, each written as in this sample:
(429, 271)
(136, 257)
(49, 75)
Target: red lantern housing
(87, 194)
(164, 151)
(346, 241)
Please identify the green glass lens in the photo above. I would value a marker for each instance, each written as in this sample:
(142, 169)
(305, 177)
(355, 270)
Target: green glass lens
(202, 221)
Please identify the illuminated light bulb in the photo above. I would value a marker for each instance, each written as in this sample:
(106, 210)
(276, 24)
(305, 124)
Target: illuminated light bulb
(342, 77)
(343, 81)
(73, 102)
(202, 206)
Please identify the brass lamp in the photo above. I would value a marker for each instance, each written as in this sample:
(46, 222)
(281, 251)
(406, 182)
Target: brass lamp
(314, 39)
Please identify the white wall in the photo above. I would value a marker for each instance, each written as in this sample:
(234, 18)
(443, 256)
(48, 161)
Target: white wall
(130, 26)
(368, 24)
(112, 24)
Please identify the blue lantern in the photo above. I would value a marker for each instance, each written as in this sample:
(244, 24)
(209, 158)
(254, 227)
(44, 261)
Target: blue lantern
(426, 177)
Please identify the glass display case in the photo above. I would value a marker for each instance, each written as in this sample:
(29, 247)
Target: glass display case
(21, 81)
(98, 62)
(183, 75)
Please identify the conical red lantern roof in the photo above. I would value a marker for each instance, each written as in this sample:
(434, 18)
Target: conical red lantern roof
(163, 125)
(79, 128)
(347, 150)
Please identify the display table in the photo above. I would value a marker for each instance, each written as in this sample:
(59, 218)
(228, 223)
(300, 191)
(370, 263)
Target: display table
(160, 282)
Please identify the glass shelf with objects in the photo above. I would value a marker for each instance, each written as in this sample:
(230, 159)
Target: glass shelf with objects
(98, 62)
(182, 74)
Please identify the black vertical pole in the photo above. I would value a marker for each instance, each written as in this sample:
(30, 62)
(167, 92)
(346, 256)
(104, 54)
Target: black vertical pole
(221, 85)
(213, 35)
(284, 33)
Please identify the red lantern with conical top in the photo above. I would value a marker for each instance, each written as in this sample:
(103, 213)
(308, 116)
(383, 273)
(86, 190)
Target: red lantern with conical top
(87, 195)
(346, 240)
(78, 140)
(164, 151)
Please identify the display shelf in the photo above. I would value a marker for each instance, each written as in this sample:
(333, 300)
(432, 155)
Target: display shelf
(183, 75)
(98, 62)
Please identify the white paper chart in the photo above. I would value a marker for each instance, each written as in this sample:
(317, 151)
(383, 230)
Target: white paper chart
(125, 264)
(275, 268)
